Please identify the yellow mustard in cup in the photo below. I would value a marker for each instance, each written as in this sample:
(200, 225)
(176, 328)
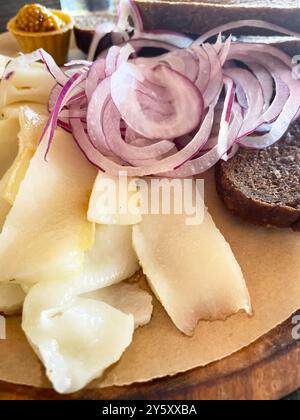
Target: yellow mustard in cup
(35, 27)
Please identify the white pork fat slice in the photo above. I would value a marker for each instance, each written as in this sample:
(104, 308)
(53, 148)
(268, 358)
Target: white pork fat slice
(11, 295)
(9, 129)
(127, 298)
(46, 230)
(77, 338)
(31, 121)
(76, 341)
(25, 82)
(191, 269)
(114, 200)
(111, 259)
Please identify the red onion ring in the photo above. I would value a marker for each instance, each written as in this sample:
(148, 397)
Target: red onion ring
(187, 109)
(168, 115)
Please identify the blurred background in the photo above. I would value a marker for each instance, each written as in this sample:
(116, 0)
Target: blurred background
(10, 8)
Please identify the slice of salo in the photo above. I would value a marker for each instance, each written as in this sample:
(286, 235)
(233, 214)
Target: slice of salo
(25, 82)
(111, 259)
(46, 230)
(191, 269)
(78, 341)
(31, 124)
(114, 201)
(127, 298)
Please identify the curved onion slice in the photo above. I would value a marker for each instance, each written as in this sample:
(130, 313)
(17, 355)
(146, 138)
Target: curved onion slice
(58, 74)
(95, 76)
(272, 61)
(124, 150)
(181, 113)
(139, 43)
(100, 32)
(211, 157)
(184, 62)
(128, 9)
(162, 115)
(173, 38)
(204, 71)
(167, 164)
(244, 24)
(253, 116)
(216, 76)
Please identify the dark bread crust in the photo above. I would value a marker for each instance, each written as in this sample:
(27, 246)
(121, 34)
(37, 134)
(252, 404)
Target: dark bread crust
(197, 17)
(252, 210)
(242, 193)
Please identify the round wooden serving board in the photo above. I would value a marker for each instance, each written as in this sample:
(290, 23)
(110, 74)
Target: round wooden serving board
(268, 369)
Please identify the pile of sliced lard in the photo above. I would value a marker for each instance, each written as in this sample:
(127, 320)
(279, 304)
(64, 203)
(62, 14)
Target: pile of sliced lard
(64, 264)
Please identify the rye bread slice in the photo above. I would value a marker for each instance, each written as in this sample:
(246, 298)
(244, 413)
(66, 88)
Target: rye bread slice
(263, 186)
(199, 16)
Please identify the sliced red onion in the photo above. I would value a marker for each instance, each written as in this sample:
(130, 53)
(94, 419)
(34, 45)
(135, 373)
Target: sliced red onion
(204, 71)
(272, 61)
(139, 43)
(181, 113)
(115, 57)
(56, 72)
(165, 165)
(215, 78)
(167, 115)
(244, 24)
(96, 107)
(172, 38)
(54, 94)
(282, 92)
(126, 151)
(100, 32)
(124, 54)
(224, 51)
(111, 60)
(95, 76)
(265, 81)
(253, 117)
(241, 97)
(128, 9)
(184, 62)
(84, 63)
(209, 159)
(219, 44)
(250, 49)
(63, 97)
(289, 111)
